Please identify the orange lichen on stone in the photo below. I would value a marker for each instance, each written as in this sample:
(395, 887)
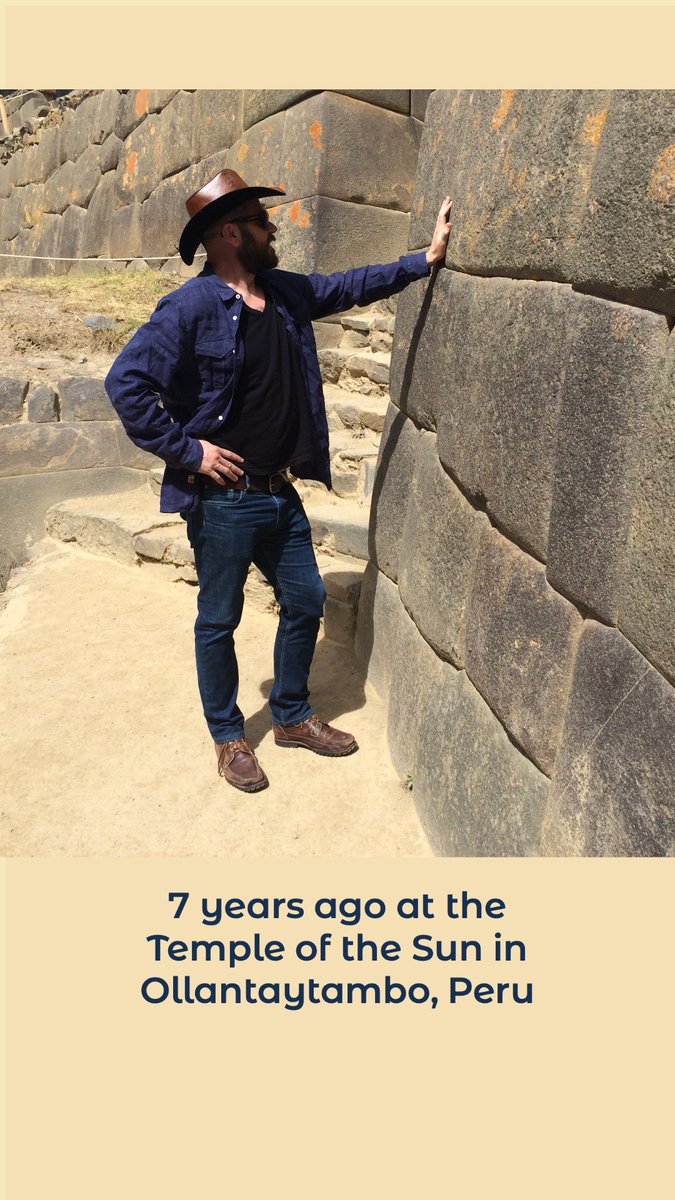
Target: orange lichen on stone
(289, 165)
(141, 102)
(593, 127)
(315, 131)
(504, 107)
(662, 183)
(130, 169)
(297, 216)
(242, 152)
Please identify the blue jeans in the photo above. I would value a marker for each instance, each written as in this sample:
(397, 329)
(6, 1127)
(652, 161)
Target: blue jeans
(229, 531)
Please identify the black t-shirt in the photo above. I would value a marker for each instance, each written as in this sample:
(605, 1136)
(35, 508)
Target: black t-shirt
(268, 423)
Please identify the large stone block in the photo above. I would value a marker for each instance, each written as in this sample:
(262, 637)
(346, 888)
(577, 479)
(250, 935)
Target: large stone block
(163, 214)
(263, 103)
(483, 362)
(70, 236)
(217, 122)
(518, 165)
(126, 235)
(33, 203)
(96, 232)
(257, 154)
(376, 628)
(626, 243)
(12, 393)
(11, 215)
(475, 793)
(421, 345)
(22, 166)
(393, 477)
(47, 156)
(647, 604)
(616, 357)
(321, 234)
(107, 155)
(396, 100)
(86, 176)
(521, 640)
(418, 103)
(438, 553)
(6, 184)
(160, 146)
(318, 152)
(78, 127)
(44, 242)
(613, 790)
(105, 116)
(59, 188)
(132, 109)
(83, 399)
(41, 404)
(29, 449)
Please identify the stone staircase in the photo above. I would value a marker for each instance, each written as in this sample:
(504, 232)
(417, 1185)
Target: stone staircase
(354, 352)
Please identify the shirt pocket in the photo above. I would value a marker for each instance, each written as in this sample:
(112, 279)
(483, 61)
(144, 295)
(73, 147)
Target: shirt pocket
(215, 365)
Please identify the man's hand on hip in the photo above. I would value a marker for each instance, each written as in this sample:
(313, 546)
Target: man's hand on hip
(220, 464)
(439, 242)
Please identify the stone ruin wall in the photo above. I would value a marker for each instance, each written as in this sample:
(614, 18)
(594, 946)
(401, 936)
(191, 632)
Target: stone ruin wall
(106, 175)
(519, 609)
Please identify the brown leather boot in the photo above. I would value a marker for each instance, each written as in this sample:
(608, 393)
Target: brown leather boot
(239, 766)
(315, 735)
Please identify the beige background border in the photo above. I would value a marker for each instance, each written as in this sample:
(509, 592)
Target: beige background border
(567, 1098)
(328, 45)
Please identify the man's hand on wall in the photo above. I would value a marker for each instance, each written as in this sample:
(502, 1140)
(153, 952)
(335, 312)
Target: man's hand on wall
(439, 242)
(220, 464)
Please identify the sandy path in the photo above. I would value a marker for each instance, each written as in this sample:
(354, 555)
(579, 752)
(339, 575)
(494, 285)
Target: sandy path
(105, 751)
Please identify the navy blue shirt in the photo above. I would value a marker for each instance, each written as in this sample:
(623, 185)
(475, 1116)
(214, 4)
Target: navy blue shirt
(174, 382)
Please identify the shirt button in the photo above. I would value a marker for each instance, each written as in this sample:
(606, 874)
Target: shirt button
(220, 418)
(234, 318)
(237, 297)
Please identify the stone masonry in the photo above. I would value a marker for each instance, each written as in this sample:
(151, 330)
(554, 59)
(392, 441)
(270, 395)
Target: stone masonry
(519, 609)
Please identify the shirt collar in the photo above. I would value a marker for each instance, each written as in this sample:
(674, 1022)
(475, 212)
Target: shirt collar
(228, 293)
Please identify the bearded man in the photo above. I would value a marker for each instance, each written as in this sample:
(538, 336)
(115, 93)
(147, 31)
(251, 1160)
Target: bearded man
(223, 384)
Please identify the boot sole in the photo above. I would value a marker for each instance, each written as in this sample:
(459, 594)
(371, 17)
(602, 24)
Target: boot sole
(323, 753)
(247, 787)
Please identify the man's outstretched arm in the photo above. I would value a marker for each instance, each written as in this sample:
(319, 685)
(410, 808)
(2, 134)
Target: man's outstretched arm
(363, 285)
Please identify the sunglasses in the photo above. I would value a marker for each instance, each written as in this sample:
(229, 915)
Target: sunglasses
(260, 219)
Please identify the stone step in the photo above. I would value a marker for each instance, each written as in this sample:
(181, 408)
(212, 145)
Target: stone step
(339, 526)
(362, 371)
(127, 527)
(352, 410)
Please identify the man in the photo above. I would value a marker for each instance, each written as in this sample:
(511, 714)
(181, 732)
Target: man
(223, 383)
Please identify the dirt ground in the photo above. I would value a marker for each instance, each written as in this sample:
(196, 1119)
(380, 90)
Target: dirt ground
(105, 752)
(43, 321)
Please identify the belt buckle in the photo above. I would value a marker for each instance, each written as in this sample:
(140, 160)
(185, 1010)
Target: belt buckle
(279, 482)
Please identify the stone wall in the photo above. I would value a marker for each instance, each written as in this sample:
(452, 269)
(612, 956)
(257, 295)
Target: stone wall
(109, 177)
(519, 610)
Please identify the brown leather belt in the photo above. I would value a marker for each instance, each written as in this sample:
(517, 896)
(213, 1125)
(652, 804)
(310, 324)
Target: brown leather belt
(260, 483)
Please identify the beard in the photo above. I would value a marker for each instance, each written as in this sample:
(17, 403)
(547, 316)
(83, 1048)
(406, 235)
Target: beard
(254, 257)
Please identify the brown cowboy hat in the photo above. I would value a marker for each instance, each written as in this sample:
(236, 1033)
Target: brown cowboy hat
(225, 192)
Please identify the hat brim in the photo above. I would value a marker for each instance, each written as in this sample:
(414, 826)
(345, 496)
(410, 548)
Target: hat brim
(196, 226)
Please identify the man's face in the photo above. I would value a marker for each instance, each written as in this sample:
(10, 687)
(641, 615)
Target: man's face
(256, 251)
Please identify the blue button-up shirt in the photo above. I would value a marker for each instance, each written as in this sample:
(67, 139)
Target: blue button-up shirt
(174, 383)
